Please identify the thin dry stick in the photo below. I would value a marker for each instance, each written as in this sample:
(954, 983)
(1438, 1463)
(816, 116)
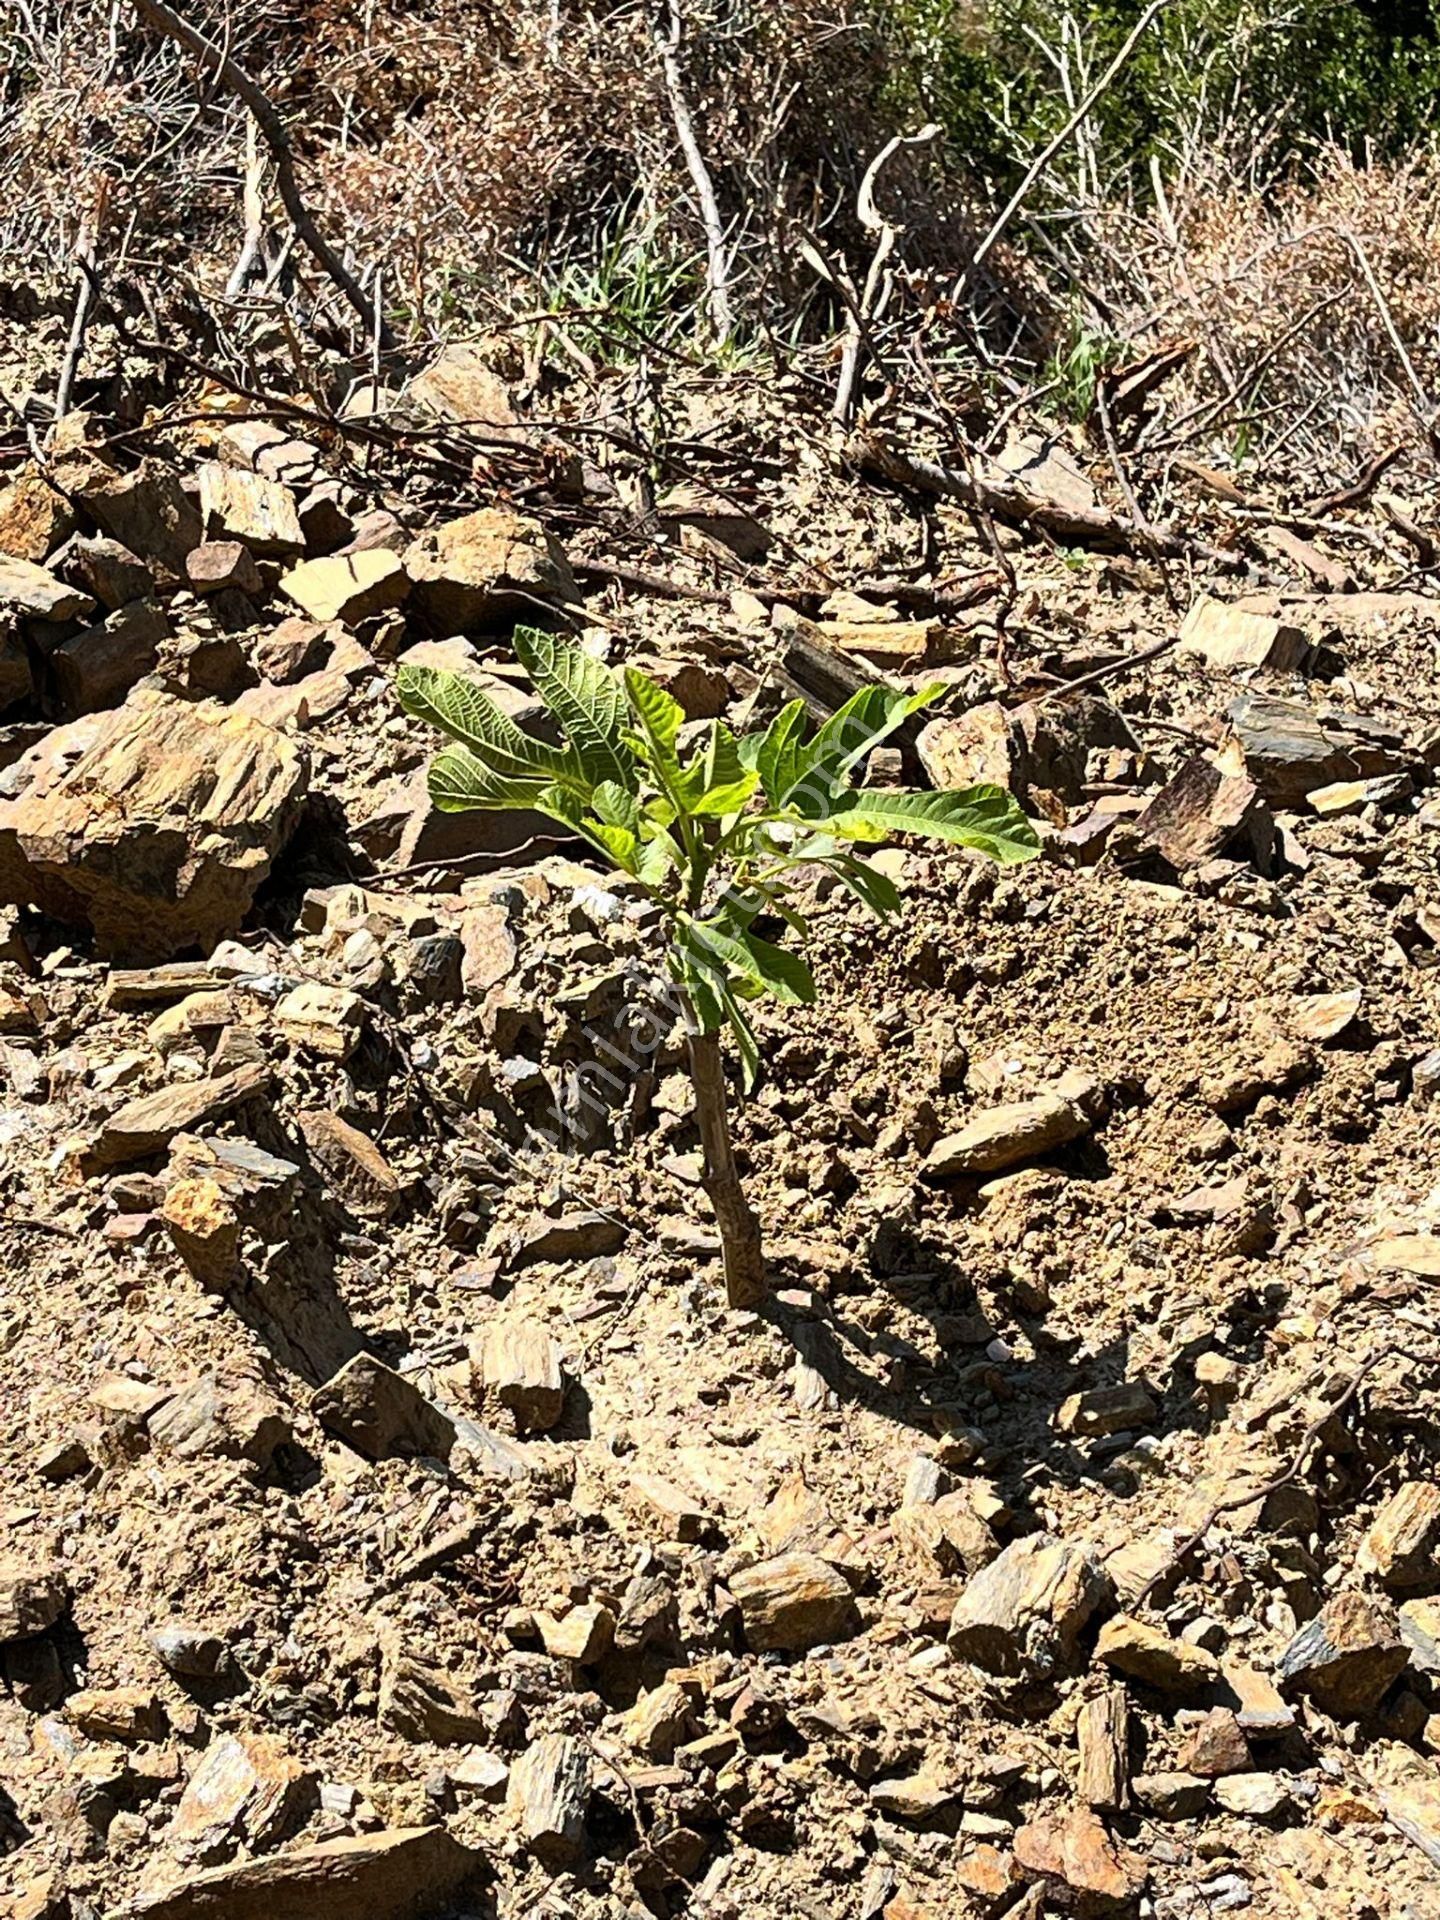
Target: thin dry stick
(717, 271)
(887, 234)
(1424, 410)
(1048, 152)
(253, 207)
(84, 297)
(267, 118)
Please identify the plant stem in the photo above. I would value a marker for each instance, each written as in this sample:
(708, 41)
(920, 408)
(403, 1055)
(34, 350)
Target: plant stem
(739, 1228)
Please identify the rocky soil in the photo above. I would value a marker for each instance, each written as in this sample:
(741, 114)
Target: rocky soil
(393, 1520)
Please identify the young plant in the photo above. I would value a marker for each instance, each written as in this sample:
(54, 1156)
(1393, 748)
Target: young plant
(718, 837)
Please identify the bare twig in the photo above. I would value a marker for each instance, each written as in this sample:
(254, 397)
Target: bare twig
(1072, 526)
(717, 270)
(887, 233)
(165, 20)
(1360, 489)
(1048, 152)
(84, 297)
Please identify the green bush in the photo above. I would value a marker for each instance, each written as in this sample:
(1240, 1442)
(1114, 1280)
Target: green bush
(1218, 73)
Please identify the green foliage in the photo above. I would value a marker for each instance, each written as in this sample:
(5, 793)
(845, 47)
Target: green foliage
(1002, 77)
(716, 831)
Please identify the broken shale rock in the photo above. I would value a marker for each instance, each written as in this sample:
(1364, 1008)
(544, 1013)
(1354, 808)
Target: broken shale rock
(1402, 1546)
(1020, 1618)
(158, 831)
(1075, 1850)
(518, 1363)
(32, 1599)
(1004, 1136)
(486, 568)
(421, 1702)
(550, 1789)
(1149, 1655)
(794, 1602)
(405, 1873)
(380, 1413)
(1347, 1657)
(143, 1127)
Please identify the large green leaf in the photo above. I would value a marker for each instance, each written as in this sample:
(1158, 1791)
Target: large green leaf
(459, 782)
(875, 889)
(467, 713)
(985, 818)
(756, 966)
(585, 697)
(778, 752)
(660, 719)
(705, 976)
(865, 720)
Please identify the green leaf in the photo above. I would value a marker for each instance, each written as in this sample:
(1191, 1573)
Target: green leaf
(874, 889)
(458, 782)
(660, 720)
(717, 782)
(619, 842)
(585, 697)
(787, 978)
(985, 818)
(852, 731)
(778, 751)
(613, 803)
(705, 978)
(756, 963)
(467, 713)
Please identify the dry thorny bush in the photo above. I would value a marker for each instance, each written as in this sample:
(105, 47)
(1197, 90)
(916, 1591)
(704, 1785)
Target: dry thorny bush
(488, 161)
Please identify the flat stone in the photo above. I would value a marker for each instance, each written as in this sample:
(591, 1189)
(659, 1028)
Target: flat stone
(188, 1651)
(35, 518)
(245, 1790)
(126, 1714)
(351, 587)
(584, 1634)
(1256, 1794)
(1075, 1849)
(111, 572)
(917, 1796)
(793, 1602)
(1229, 636)
(1149, 1655)
(260, 513)
(486, 568)
(379, 1412)
(147, 510)
(32, 1598)
(1125, 1408)
(143, 1127)
(37, 595)
(421, 1702)
(97, 667)
(581, 1235)
(1259, 1710)
(1004, 1136)
(1215, 1746)
(404, 1873)
(321, 1019)
(1402, 1545)
(1171, 1796)
(1347, 1657)
(1419, 1624)
(217, 564)
(1021, 1616)
(519, 1363)
(549, 1790)
(359, 1170)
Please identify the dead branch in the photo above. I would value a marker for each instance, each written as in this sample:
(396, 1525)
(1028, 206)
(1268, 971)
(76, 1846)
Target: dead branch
(717, 270)
(272, 127)
(1360, 489)
(865, 307)
(84, 298)
(1071, 526)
